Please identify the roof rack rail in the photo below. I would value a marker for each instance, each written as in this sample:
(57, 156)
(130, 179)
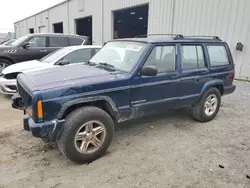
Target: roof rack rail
(173, 35)
(180, 36)
(202, 37)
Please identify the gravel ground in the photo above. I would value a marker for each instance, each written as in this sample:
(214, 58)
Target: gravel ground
(170, 150)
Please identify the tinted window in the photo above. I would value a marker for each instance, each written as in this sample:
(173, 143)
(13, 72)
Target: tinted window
(218, 55)
(79, 56)
(192, 57)
(38, 41)
(95, 50)
(75, 41)
(58, 41)
(55, 55)
(163, 57)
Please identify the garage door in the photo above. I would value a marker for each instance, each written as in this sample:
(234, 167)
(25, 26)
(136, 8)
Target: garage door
(42, 29)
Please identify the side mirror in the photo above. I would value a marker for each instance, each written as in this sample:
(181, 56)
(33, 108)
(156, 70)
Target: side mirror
(26, 45)
(149, 70)
(63, 62)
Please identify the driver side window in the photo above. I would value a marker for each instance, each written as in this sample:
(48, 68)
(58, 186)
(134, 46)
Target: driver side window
(163, 58)
(79, 56)
(37, 42)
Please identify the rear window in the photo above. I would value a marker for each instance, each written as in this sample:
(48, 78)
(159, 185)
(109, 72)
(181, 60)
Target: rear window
(218, 55)
(75, 41)
(58, 41)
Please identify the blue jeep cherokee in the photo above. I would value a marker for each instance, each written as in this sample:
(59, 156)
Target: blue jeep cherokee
(78, 106)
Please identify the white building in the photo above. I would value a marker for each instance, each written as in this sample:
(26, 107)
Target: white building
(107, 19)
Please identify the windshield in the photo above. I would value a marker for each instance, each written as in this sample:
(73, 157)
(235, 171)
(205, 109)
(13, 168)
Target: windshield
(58, 54)
(9, 42)
(122, 55)
(19, 41)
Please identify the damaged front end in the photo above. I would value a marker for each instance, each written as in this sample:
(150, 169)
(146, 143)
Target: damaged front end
(17, 102)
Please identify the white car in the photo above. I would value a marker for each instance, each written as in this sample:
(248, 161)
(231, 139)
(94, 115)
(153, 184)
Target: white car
(66, 56)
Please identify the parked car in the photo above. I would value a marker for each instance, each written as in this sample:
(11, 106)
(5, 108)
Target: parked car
(78, 106)
(7, 42)
(65, 56)
(36, 46)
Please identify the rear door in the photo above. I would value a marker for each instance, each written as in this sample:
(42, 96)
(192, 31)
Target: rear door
(57, 42)
(194, 72)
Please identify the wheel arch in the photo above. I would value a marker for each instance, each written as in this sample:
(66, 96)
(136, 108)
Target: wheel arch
(103, 102)
(214, 83)
(8, 58)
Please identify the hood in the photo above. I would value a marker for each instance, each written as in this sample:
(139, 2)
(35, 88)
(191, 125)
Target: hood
(24, 66)
(70, 76)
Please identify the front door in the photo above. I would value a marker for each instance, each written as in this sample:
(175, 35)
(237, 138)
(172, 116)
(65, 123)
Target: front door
(150, 94)
(36, 49)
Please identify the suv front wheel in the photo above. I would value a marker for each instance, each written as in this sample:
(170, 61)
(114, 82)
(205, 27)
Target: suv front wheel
(208, 106)
(86, 134)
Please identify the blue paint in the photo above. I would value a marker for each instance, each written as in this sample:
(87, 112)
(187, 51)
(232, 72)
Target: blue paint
(128, 94)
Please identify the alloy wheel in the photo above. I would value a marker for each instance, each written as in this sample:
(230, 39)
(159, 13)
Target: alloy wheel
(2, 66)
(90, 137)
(211, 104)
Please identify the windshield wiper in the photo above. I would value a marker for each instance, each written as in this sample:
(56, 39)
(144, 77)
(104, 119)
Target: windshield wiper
(106, 65)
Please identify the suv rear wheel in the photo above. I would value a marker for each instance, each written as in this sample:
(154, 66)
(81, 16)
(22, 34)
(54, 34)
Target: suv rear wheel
(86, 135)
(209, 105)
(4, 63)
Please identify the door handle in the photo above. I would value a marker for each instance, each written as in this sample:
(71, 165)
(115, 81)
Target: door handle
(174, 76)
(204, 72)
(43, 50)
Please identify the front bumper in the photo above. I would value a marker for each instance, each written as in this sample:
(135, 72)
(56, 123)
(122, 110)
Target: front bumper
(48, 131)
(8, 87)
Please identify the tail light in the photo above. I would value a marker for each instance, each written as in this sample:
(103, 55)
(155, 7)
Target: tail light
(233, 76)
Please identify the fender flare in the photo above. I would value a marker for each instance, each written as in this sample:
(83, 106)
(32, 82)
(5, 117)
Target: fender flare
(210, 84)
(86, 100)
(8, 58)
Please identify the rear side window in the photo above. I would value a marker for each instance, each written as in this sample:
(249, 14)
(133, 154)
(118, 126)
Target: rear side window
(75, 41)
(192, 57)
(58, 41)
(217, 55)
(95, 50)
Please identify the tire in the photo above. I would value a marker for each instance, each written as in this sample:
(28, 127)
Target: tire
(73, 126)
(199, 110)
(4, 63)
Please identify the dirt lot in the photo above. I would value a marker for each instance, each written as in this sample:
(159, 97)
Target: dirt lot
(169, 150)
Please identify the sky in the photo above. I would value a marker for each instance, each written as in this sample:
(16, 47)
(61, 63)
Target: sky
(15, 10)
